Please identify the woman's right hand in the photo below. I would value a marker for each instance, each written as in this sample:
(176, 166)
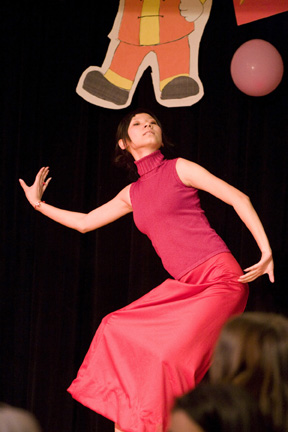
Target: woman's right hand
(35, 192)
(265, 265)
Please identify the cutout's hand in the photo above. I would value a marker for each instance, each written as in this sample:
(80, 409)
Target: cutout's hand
(191, 9)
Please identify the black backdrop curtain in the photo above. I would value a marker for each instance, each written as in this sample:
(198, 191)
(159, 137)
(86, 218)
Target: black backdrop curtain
(57, 284)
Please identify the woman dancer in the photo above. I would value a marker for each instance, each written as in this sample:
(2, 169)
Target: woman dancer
(159, 347)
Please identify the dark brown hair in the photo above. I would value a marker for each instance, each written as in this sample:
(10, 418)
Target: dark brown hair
(222, 408)
(252, 351)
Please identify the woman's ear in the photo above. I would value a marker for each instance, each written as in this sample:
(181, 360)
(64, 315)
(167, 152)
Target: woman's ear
(122, 144)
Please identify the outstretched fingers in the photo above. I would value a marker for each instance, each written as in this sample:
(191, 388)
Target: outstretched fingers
(43, 173)
(23, 184)
(250, 275)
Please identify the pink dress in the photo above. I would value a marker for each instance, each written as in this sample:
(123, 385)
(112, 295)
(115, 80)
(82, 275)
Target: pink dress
(160, 346)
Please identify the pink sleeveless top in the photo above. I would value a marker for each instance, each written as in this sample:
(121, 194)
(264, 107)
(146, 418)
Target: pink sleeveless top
(170, 214)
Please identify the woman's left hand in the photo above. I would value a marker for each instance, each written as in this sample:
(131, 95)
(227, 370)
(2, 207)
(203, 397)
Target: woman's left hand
(265, 265)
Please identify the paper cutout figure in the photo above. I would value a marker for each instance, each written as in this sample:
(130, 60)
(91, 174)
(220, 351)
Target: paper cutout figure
(252, 10)
(162, 34)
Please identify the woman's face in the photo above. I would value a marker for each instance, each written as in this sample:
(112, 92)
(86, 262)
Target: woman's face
(181, 422)
(145, 136)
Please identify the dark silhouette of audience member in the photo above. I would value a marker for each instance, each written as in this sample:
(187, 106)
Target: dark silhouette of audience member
(252, 352)
(217, 408)
(14, 419)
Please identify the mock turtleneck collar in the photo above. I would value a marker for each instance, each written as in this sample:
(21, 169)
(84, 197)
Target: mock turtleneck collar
(148, 163)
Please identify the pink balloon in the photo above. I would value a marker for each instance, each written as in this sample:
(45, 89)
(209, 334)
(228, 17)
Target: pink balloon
(257, 68)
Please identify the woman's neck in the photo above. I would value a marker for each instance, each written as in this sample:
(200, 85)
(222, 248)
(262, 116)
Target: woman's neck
(142, 152)
(149, 163)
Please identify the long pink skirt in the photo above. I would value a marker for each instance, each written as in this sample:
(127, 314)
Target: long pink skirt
(159, 347)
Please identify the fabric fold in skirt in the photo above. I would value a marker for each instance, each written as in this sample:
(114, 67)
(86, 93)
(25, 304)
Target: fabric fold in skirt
(159, 347)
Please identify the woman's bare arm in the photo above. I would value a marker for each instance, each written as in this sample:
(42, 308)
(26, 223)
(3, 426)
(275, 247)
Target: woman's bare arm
(196, 176)
(114, 209)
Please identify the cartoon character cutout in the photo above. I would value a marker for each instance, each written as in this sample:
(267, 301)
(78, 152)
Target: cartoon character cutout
(162, 34)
